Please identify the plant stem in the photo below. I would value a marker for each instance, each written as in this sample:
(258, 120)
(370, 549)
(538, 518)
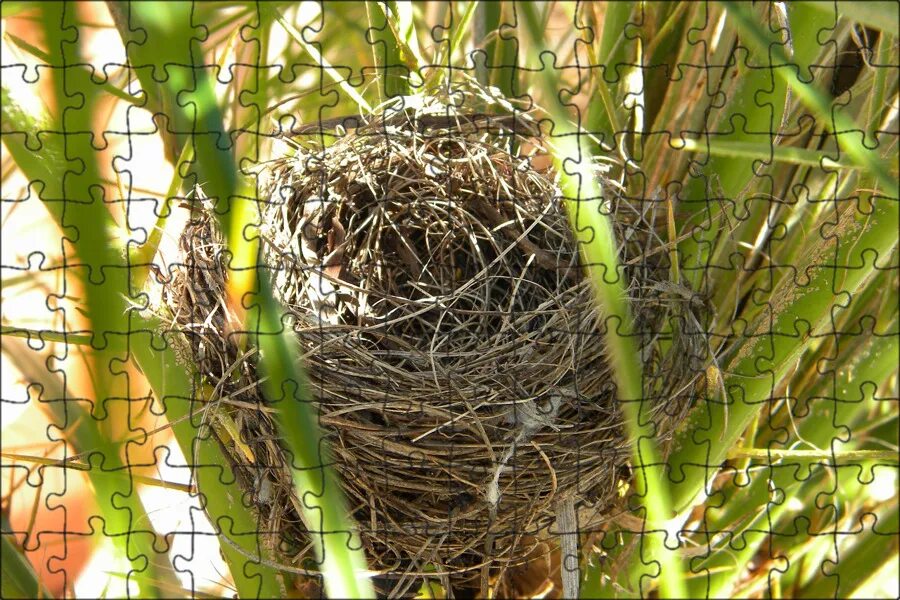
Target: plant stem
(593, 229)
(844, 455)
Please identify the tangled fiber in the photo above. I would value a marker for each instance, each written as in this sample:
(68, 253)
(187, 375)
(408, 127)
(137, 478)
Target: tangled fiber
(450, 334)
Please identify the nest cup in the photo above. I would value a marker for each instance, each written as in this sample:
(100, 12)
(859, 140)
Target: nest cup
(451, 338)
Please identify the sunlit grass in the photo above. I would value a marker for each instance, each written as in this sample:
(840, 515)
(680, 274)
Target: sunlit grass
(793, 244)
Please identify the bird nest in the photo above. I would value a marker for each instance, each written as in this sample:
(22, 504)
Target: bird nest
(450, 335)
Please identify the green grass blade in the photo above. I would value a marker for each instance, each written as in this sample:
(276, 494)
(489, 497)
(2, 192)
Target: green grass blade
(596, 237)
(502, 52)
(862, 558)
(462, 29)
(882, 16)
(285, 386)
(74, 196)
(19, 579)
(763, 360)
(445, 57)
(142, 256)
(832, 406)
(597, 243)
(77, 465)
(161, 46)
(401, 18)
(221, 500)
(486, 22)
(845, 129)
(83, 73)
(113, 317)
(345, 86)
(756, 101)
(344, 566)
(605, 116)
(814, 455)
(391, 69)
(704, 445)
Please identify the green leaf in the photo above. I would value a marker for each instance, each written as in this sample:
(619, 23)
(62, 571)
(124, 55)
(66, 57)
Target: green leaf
(162, 51)
(332, 532)
(222, 501)
(862, 558)
(344, 566)
(593, 229)
(73, 194)
(832, 406)
(445, 58)
(753, 113)
(850, 456)
(19, 579)
(614, 52)
(392, 70)
(882, 16)
(75, 71)
(319, 59)
(762, 359)
(499, 67)
(844, 128)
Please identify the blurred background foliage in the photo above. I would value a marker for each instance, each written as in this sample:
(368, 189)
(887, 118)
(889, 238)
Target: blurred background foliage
(766, 133)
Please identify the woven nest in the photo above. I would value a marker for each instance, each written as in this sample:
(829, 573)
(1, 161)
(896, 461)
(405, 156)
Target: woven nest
(451, 337)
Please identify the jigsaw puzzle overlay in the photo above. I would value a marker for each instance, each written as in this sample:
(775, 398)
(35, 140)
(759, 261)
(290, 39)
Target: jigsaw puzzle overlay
(450, 299)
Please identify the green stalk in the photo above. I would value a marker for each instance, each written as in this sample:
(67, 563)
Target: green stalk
(765, 152)
(286, 386)
(500, 53)
(486, 22)
(19, 579)
(763, 360)
(393, 74)
(604, 115)
(84, 72)
(596, 239)
(46, 335)
(141, 257)
(328, 520)
(878, 93)
(851, 456)
(459, 30)
(317, 56)
(220, 498)
(70, 194)
(168, 383)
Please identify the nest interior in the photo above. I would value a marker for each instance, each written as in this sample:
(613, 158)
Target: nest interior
(450, 335)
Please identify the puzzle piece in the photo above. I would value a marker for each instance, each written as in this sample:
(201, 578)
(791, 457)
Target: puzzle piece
(471, 299)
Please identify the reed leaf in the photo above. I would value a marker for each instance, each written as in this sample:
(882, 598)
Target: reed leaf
(387, 49)
(580, 187)
(245, 550)
(73, 196)
(325, 507)
(343, 565)
(19, 579)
